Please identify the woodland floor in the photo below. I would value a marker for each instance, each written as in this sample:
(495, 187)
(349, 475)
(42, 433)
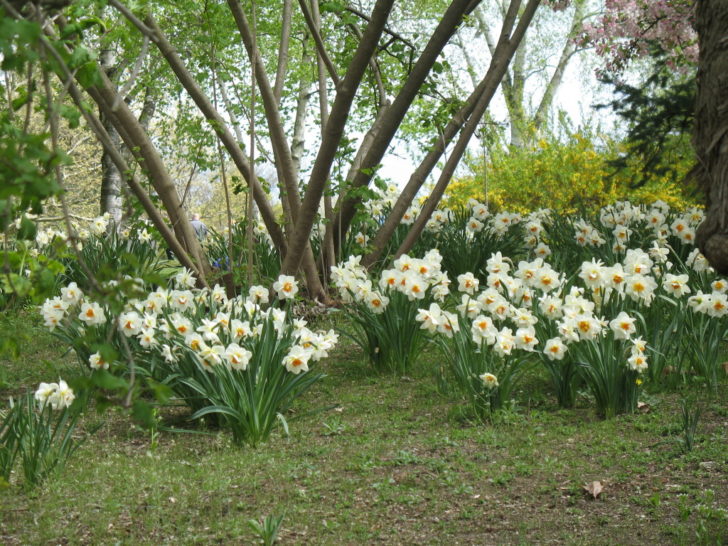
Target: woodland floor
(381, 459)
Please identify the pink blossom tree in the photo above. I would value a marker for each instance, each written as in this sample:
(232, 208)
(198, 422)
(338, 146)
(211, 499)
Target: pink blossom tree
(633, 29)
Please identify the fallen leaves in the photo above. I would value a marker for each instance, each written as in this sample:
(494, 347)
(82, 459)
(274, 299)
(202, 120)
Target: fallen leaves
(594, 488)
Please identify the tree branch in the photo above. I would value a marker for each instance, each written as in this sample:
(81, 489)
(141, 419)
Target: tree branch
(395, 113)
(507, 46)
(320, 48)
(333, 132)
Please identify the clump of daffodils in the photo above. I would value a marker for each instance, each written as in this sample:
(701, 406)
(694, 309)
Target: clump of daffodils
(56, 395)
(413, 277)
(82, 231)
(215, 329)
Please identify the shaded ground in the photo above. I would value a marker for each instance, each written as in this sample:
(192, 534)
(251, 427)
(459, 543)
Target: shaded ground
(394, 462)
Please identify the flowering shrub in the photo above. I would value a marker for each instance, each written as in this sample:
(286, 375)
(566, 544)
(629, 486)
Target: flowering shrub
(572, 176)
(239, 358)
(384, 314)
(630, 29)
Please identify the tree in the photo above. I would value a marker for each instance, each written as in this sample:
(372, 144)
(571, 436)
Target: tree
(534, 56)
(69, 40)
(711, 129)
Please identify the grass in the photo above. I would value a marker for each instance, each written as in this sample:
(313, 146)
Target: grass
(394, 462)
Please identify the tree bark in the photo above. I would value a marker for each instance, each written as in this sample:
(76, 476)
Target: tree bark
(111, 180)
(711, 129)
(312, 19)
(281, 151)
(418, 177)
(137, 140)
(327, 256)
(282, 66)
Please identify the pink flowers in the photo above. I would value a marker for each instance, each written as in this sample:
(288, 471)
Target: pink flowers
(630, 29)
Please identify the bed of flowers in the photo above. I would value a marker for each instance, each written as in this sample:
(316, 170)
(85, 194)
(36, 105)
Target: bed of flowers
(241, 360)
(606, 305)
(610, 304)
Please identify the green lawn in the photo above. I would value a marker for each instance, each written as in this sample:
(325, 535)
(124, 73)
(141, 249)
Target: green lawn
(387, 460)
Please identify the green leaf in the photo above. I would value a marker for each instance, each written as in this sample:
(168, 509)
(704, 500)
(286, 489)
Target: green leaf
(71, 114)
(162, 393)
(105, 380)
(27, 229)
(108, 352)
(143, 413)
(88, 75)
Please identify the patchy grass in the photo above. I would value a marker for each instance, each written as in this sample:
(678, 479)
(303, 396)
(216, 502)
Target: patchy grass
(392, 461)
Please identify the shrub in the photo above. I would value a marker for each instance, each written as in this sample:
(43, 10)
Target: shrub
(572, 176)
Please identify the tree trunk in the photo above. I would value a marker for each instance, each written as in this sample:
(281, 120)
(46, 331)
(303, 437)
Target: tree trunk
(711, 129)
(136, 139)
(327, 255)
(395, 113)
(333, 133)
(283, 50)
(111, 179)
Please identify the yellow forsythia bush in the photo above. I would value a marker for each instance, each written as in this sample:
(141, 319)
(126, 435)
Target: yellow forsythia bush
(568, 177)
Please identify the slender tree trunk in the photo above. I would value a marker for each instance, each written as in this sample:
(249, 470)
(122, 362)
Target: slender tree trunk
(283, 50)
(711, 129)
(281, 150)
(120, 162)
(394, 114)
(567, 52)
(112, 201)
(505, 50)
(327, 254)
(282, 153)
(485, 87)
(423, 170)
(298, 141)
(515, 96)
(333, 133)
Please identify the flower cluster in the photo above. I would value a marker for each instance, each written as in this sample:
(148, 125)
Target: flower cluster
(413, 277)
(57, 395)
(630, 29)
(623, 219)
(217, 330)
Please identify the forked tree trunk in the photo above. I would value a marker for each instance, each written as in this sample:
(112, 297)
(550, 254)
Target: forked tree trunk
(386, 126)
(711, 129)
(333, 133)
